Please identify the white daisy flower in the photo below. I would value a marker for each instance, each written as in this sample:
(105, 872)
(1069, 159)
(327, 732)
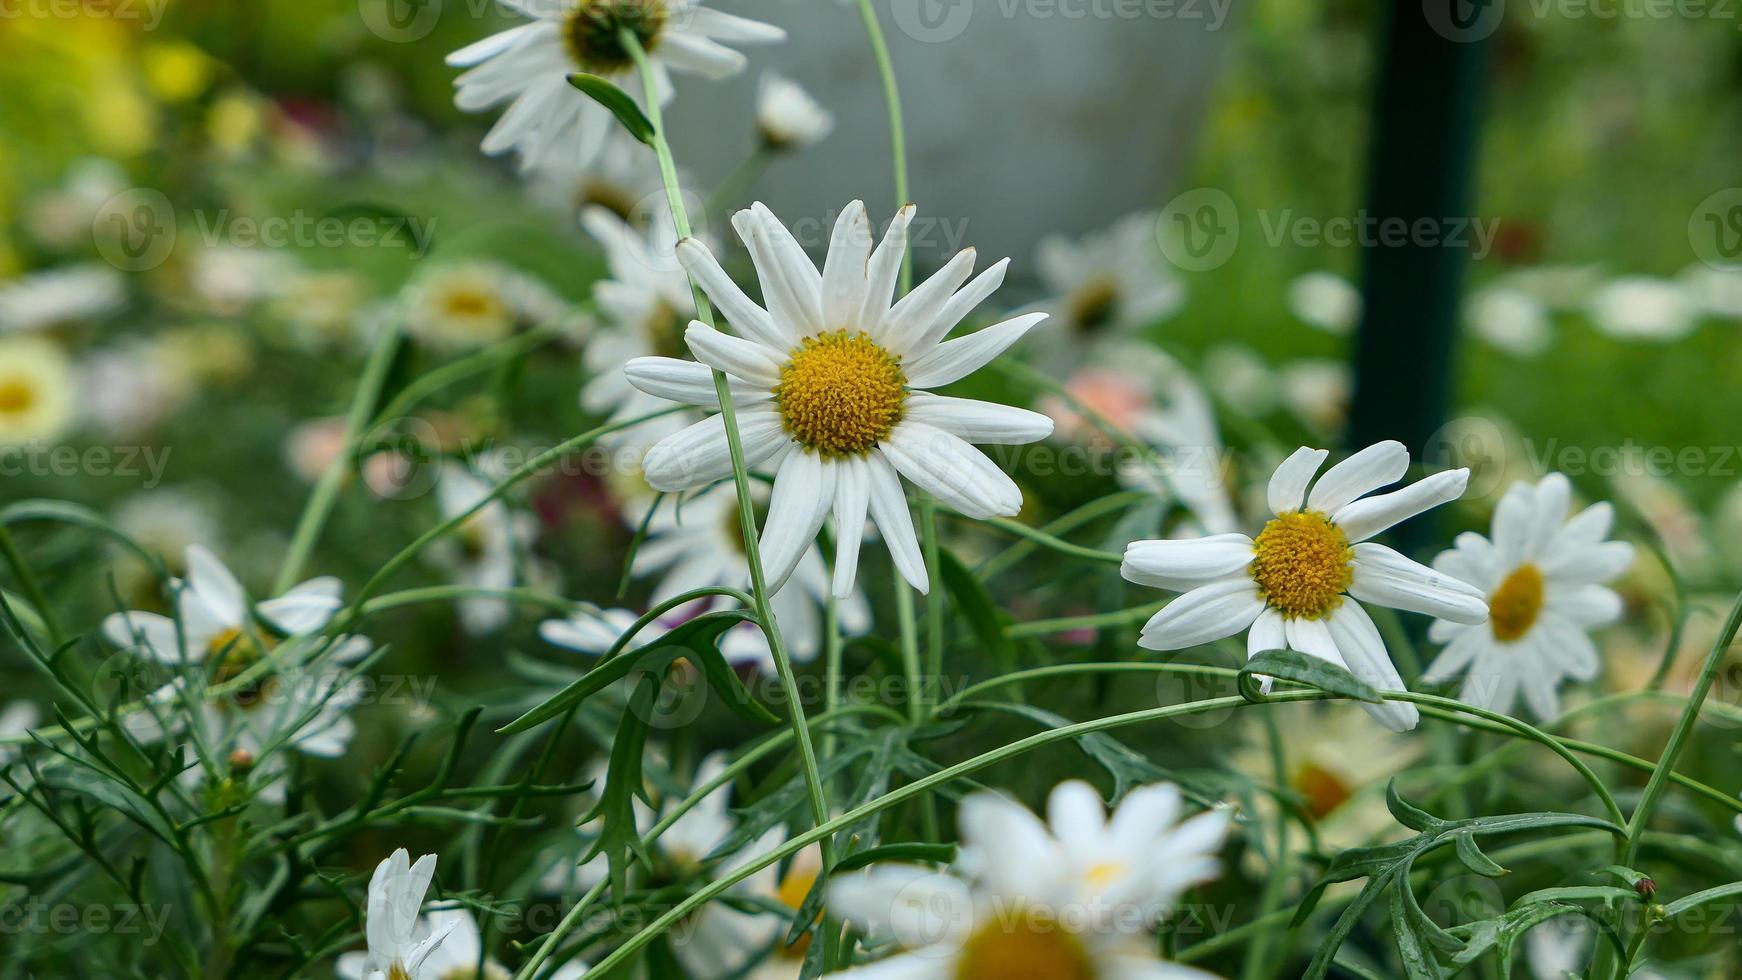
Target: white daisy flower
(597, 631)
(1301, 583)
(1077, 896)
(829, 388)
(400, 942)
(475, 304)
(1511, 320)
(215, 618)
(697, 542)
(549, 123)
(643, 302)
(454, 957)
(623, 180)
(483, 552)
(229, 278)
(36, 391)
(60, 296)
(1643, 308)
(1543, 575)
(788, 117)
(1325, 301)
(1562, 288)
(1110, 282)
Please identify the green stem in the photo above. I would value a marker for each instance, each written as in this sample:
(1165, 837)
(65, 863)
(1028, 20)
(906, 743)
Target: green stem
(814, 788)
(1258, 964)
(739, 180)
(1066, 624)
(326, 491)
(32, 590)
(1099, 507)
(897, 128)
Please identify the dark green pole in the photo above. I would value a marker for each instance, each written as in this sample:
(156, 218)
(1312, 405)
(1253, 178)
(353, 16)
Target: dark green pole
(1425, 124)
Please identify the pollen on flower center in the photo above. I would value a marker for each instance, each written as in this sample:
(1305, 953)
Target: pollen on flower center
(1302, 564)
(1030, 947)
(1323, 791)
(16, 397)
(593, 28)
(841, 394)
(1513, 608)
(1093, 304)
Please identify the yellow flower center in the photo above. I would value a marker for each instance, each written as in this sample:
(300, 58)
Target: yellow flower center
(16, 397)
(1034, 947)
(1513, 608)
(841, 394)
(1324, 791)
(1093, 304)
(234, 651)
(593, 32)
(794, 889)
(1302, 564)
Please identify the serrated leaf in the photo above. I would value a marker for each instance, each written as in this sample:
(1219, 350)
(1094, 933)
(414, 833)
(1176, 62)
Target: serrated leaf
(620, 837)
(1470, 853)
(1292, 665)
(1128, 767)
(605, 93)
(1407, 814)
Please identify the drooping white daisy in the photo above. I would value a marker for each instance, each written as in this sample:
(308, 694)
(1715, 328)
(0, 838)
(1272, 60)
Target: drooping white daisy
(624, 180)
(596, 631)
(216, 617)
(788, 117)
(548, 122)
(1325, 301)
(1300, 584)
(1643, 308)
(456, 957)
(400, 944)
(1511, 320)
(697, 542)
(829, 382)
(484, 552)
(1074, 897)
(1105, 284)
(1543, 575)
(475, 304)
(36, 391)
(644, 303)
(61, 296)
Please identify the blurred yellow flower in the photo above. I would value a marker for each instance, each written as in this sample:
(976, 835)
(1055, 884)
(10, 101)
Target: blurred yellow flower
(36, 390)
(176, 70)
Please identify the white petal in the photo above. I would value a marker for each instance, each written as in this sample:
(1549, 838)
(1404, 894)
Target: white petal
(895, 521)
(793, 300)
(911, 319)
(1206, 613)
(844, 269)
(686, 382)
(1464, 648)
(1379, 465)
(1385, 577)
(698, 454)
(977, 421)
(954, 360)
(691, 52)
(1185, 564)
(1075, 813)
(1590, 526)
(744, 360)
(1288, 484)
(741, 313)
(804, 489)
(731, 28)
(964, 302)
(1553, 496)
(1313, 638)
(960, 476)
(852, 503)
(884, 270)
(1364, 653)
(1589, 606)
(1598, 563)
(1367, 517)
(304, 609)
(1269, 632)
(1514, 517)
(1567, 646)
(215, 586)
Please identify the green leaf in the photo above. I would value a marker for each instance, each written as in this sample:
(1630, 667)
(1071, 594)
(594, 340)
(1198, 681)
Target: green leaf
(620, 838)
(1292, 665)
(1408, 815)
(1127, 766)
(1470, 853)
(976, 606)
(698, 636)
(929, 853)
(618, 101)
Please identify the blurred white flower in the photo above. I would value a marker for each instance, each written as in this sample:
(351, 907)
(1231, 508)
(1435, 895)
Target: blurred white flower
(1301, 583)
(131, 386)
(73, 294)
(1108, 283)
(1716, 291)
(1241, 379)
(1511, 320)
(1543, 574)
(17, 718)
(1643, 308)
(1317, 392)
(401, 941)
(229, 278)
(215, 617)
(596, 631)
(622, 180)
(36, 391)
(787, 116)
(695, 541)
(831, 392)
(528, 67)
(484, 552)
(62, 218)
(1076, 896)
(1562, 288)
(461, 306)
(323, 310)
(1325, 301)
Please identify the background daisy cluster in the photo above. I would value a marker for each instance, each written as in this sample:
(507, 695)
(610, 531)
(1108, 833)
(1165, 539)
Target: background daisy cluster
(285, 286)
